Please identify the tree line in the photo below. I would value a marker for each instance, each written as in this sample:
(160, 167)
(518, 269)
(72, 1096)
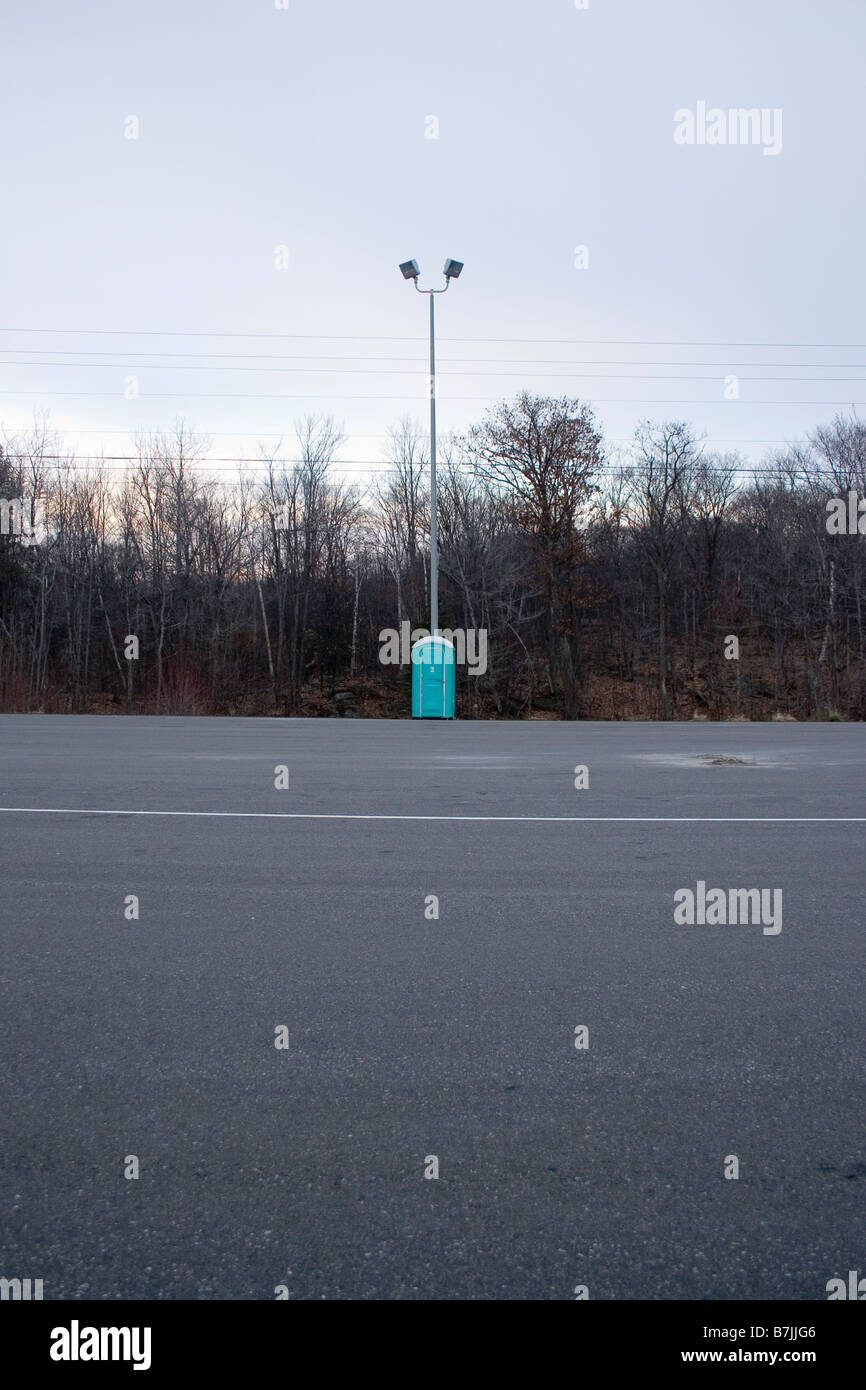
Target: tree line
(663, 580)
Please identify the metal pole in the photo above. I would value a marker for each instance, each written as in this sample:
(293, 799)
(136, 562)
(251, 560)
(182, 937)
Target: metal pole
(434, 519)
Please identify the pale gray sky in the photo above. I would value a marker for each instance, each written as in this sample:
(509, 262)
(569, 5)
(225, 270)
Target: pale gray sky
(306, 127)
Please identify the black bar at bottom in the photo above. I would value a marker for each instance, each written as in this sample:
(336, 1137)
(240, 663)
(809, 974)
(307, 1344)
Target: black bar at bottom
(167, 1339)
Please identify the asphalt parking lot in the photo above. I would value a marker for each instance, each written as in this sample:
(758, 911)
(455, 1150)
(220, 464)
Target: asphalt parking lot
(413, 1036)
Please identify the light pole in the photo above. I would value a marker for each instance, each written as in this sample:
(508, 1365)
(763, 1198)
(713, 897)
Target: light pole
(451, 271)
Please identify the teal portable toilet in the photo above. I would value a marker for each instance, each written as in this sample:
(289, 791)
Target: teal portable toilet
(434, 679)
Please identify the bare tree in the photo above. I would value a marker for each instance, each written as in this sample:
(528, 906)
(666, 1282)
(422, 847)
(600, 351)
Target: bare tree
(543, 456)
(661, 485)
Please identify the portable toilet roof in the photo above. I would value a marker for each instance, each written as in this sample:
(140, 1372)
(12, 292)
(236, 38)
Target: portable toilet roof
(434, 678)
(432, 644)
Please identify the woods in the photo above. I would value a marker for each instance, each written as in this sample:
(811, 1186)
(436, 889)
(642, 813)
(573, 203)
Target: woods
(608, 581)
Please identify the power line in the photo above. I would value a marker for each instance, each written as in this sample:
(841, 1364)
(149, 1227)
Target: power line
(356, 357)
(451, 400)
(416, 338)
(352, 434)
(347, 465)
(402, 371)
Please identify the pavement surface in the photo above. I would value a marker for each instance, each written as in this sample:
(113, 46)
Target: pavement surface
(413, 1037)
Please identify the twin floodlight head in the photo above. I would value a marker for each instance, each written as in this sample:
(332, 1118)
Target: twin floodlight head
(411, 270)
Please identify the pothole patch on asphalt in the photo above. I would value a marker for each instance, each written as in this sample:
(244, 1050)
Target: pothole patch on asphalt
(705, 760)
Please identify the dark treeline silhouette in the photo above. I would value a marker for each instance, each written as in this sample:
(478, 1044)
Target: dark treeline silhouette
(608, 586)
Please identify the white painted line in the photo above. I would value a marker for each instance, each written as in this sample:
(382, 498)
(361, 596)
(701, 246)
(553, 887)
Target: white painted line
(351, 815)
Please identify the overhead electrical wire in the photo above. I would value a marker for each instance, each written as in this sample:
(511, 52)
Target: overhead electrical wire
(453, 400)
(358, 357)
(416, 338)
(403, 371)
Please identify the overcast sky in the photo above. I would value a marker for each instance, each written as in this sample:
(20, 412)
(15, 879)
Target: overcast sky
(307, 128)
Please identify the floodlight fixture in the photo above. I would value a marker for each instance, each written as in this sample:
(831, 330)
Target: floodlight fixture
(451, 272)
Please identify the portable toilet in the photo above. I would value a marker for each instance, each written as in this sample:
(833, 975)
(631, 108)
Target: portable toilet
(434, 678)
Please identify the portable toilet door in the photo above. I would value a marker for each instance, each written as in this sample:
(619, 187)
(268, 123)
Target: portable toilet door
(434, 679)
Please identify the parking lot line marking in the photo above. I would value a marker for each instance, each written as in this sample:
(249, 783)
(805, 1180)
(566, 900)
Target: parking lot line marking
(364, 815)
